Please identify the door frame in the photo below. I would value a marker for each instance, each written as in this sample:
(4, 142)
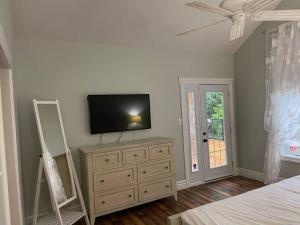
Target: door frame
(3, 169)
(186, 147)
(11, 147)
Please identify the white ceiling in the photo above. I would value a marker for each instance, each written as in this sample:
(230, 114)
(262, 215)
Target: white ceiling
(149, 23)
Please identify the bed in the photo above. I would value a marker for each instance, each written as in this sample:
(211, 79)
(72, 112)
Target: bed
(276, 204)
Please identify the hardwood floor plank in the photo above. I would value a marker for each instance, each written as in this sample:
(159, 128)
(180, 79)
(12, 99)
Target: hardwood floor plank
(157, 219)
(156, 213)
(169, 211)
(146, 219)
(135, 219)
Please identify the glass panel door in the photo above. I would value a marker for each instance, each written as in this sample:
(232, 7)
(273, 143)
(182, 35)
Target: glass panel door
(193, 133)
(206, 132)
(215, 130)
(192, 136)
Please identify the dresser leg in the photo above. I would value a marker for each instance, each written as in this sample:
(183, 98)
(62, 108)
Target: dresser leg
(175, 196)
(92, 219)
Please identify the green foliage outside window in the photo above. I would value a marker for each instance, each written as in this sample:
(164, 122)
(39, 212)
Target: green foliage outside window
(215, 114)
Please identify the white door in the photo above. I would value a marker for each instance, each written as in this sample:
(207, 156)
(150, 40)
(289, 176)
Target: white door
(206, 131)
(215, 130)
(4, 201)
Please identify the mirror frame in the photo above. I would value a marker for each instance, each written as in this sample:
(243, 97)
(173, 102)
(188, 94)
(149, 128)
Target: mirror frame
(44, 148)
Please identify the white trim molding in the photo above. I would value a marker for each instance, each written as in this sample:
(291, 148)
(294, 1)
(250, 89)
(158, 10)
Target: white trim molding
(11, 145)
(181, 184)
(252, 174)
(198, 80)
(255, 175)
(184, 81)
(290, 158)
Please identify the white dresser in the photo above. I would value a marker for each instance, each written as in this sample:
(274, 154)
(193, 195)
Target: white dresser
(121, 175)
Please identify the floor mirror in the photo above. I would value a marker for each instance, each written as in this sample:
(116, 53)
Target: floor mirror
(57, 164)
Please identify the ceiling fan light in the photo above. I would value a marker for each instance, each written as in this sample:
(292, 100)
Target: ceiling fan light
(237, 30)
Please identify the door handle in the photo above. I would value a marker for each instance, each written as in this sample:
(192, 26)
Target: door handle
(205, 140)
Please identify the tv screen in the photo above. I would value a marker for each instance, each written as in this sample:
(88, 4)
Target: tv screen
(118, 113)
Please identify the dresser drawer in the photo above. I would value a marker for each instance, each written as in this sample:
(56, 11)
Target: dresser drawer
(155, 189)
(160, 151)
(115, 178)
(106, 160)
(113, 200)
(135, 155)
(154, 170)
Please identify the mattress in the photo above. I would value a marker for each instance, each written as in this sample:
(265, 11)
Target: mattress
(276, 204)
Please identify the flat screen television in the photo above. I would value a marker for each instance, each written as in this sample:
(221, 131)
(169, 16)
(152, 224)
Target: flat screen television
(118, 113)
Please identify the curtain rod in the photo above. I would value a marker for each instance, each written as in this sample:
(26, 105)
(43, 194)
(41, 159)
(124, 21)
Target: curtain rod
(281, 25)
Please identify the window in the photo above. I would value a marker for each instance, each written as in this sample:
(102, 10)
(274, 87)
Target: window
(193, 133)
(291, 146)
(287, 112)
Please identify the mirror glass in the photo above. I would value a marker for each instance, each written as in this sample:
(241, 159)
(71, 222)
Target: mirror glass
(51, 128)
(55, 152)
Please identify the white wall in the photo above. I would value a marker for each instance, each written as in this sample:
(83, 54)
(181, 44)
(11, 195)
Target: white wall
(70, 71)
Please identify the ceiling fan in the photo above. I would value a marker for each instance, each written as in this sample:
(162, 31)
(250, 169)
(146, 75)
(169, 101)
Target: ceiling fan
(238, 10)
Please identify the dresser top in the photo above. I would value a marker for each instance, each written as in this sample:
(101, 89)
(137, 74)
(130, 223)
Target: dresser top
(138, 142)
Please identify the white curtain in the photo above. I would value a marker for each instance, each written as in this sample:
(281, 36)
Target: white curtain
(283, 94)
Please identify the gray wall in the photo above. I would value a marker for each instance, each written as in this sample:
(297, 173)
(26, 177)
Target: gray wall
(250, 69)
(6, 27)
(70, 71)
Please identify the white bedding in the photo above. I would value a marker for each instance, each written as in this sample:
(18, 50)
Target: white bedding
(276, 204)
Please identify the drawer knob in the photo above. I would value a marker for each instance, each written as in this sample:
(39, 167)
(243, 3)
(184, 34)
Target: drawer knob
(135, 155)
(166, 167)
(160, 151)
(101, 181)
(103, 202)
(128, 175)
(146, 192)
(144, 172)
(106, 160)
(167, 186)
(129, 196)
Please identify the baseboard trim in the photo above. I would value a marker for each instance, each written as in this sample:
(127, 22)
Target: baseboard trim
(241, 171)
(181, 184)
(251, 174)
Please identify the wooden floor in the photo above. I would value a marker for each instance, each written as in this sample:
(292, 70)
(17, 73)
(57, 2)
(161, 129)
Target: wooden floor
(156, 213)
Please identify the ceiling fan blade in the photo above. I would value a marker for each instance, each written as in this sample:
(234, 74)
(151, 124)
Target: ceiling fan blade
(256, 5)
(276, 15)
(237, 30)
(210, 8)
(201, 28)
